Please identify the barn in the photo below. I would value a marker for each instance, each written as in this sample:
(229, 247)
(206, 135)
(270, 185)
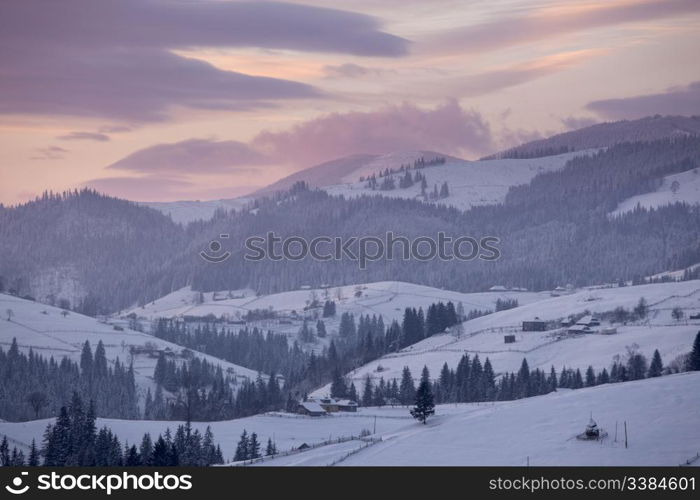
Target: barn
(535, 325)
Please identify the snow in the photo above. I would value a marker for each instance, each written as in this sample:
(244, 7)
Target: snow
(661, 415)
(287, 430)
(189, 210)
(52, 334)
(484, 335)
(385, 298)
(688, 192)
(471, 183)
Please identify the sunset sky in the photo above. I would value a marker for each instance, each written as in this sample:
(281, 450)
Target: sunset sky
(157, 100)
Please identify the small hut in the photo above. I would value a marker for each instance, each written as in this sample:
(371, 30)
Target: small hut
(592, 432)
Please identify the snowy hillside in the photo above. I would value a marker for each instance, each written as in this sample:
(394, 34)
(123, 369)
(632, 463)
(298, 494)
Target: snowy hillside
(49, 333)
(288, 430)
(661, 415)
(349, 169)
(471, 183)
(485, 335)
(188, 211)
(677, 188)
(388, 299)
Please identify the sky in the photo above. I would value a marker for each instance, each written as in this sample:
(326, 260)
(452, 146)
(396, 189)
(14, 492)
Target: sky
(162, 100)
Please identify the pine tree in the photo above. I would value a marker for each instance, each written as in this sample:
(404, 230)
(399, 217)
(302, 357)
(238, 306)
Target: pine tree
(271, 449)
(656, 367)
(33, 455)
(694, 358)
(367, 393)
(242, 449)
(253, 446)
(590, 377)
(4, 452)
(424, 406)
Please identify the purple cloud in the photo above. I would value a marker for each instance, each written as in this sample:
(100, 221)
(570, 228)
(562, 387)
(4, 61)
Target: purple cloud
(84, 136)
(526, 28)
(683, 100)
(448, 129)
(114, 59)
(193, 155)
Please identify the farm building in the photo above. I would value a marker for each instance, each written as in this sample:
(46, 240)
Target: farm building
(332, 405)
(536, 325)
(311, 409)
(509, 339)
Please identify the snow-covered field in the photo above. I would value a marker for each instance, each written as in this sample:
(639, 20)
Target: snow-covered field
(44, 329)
(661, 415)
(662, 418)
(471, 183)
(484, 335)
(686, 186)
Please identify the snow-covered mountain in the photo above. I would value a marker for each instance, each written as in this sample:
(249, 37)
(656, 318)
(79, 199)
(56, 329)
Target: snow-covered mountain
(350, 169)
(608, 134)
(470, 183)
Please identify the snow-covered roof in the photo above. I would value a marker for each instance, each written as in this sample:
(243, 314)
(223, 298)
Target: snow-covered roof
(312, 406)
(585, 321)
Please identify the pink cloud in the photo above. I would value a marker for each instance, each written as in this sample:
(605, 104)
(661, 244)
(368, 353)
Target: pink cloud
(448, 128)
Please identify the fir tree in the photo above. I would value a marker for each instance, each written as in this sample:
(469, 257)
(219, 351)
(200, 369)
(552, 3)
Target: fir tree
(271, 449)
(424, 406)
(694, 358)
(656, 367)
(242, 449)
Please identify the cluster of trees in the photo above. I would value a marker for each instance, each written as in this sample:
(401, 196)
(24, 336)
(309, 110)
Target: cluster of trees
(473, 382)
(32, 386)
(202, 392)
(74, 440)
(328, 308)
(248, 447)
(504, 304)
(418, 164)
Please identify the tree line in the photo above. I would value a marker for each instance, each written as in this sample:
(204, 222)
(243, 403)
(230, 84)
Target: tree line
(32, 386)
